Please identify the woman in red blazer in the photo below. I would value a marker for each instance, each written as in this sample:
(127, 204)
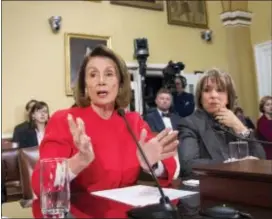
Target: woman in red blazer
(264, 124)
(101, 152)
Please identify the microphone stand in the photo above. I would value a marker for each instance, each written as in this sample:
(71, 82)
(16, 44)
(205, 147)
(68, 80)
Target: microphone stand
(142, 70)
(165, 209)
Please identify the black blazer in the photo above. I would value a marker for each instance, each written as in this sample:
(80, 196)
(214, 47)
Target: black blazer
(18, 129)
(27, 138)
(155, 121)
(200, 144)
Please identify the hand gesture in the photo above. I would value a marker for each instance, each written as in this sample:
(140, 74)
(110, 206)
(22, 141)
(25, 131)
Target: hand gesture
(81, 140)
(158, 148)
(229, 119)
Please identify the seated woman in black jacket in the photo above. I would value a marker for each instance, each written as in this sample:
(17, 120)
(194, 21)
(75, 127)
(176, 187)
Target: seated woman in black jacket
(202, 139)
(24, 125)
(33, 134)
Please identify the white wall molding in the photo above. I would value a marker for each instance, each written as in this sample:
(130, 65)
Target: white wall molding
(236, 18)
(263, 56)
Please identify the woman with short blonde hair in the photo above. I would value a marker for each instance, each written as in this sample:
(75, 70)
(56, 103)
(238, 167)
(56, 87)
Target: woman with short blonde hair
(202, 139)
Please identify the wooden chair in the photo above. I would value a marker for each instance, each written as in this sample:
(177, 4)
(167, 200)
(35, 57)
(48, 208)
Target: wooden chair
(28, 157)
(11, 172)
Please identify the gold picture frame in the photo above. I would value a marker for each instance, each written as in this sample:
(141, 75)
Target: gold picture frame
(188, 13)
(146, 4)
(76, 47)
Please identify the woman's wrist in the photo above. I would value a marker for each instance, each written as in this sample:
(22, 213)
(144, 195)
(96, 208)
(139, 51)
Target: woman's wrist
(77, 164)
(239, 128)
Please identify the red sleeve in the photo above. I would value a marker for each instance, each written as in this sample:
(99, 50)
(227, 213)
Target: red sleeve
(264, 129)
(169, 163)
(57, 142)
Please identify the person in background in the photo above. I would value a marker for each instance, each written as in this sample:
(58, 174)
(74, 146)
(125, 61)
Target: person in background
(264, 124)
(183, 102)
(162, 118)
(34, 133)
(24, 125)
(202, 139)
(239, 112)
(94, 138)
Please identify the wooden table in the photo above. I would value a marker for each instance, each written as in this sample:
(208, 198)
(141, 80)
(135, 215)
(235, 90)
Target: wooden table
(245, 185)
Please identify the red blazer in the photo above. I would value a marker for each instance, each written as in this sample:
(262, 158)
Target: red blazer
(264, 132)
(115, 165)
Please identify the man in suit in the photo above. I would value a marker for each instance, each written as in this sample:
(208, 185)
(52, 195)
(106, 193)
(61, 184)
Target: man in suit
(184, 103)
(160, 118)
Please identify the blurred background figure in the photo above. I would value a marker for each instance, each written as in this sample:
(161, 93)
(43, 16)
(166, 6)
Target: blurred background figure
(264, 124)
(24, 125)
(183, 101)
(162, 118)
(33, 134)
(239, 112)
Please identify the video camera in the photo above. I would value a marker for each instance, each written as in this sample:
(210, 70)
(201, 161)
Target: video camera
(170, 72)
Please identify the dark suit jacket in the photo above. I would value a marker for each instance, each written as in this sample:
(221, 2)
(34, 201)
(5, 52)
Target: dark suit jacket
(200, 144)
(155, 121)
(19, 128)
(25, 136)
(184, 103)
(28, 138)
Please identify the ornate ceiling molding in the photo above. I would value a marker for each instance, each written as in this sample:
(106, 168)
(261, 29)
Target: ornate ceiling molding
(236, 18)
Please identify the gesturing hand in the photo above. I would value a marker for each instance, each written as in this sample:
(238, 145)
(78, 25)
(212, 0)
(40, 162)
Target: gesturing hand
(158, 148)
(81, 140)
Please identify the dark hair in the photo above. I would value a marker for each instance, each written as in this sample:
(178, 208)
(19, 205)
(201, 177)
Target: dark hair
(164, 91)
(27, 106)
(263, 102)
(183, 80)
(37, 106)
(223, 80)
(124, 94)
(238, 110)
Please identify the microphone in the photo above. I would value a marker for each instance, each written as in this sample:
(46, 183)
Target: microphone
(163, 210)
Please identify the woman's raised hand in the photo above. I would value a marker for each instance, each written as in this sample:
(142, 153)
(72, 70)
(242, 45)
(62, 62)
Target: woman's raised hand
(81, 140)
(162, 146)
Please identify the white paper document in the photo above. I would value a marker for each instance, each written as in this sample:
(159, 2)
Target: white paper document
(191, 182)
(141, 195)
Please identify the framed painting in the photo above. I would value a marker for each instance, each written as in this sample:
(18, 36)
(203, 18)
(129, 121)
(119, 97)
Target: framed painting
(147, 4)
(187, 13)
(77, 46)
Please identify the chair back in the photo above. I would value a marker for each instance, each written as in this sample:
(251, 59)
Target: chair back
(28, 157)
(11, 173)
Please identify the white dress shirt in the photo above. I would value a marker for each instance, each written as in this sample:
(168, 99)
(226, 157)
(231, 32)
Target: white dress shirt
(168, 124)
(40, 135)
(166, 120)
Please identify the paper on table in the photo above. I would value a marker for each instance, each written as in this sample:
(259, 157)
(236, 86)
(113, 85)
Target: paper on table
(140, 195)
(191, 182)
